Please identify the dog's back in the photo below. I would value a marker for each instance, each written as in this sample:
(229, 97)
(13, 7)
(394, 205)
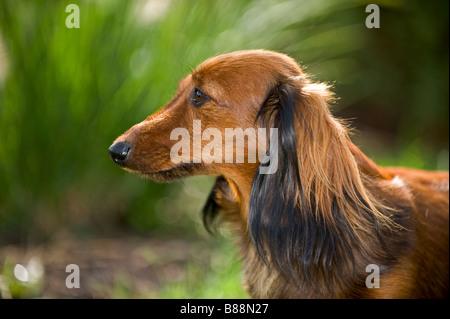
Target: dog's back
(428, 192)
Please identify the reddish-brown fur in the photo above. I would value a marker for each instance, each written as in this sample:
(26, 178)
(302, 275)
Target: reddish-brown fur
(405, 225)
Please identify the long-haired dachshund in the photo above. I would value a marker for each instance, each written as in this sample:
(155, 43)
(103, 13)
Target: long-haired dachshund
(327, 222)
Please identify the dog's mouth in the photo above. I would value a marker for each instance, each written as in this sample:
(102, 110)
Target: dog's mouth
(173, 173)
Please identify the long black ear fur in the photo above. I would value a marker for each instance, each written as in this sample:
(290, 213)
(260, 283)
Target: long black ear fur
(273, 219)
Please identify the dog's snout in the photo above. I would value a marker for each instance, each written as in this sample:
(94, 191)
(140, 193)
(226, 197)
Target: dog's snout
(119, 152)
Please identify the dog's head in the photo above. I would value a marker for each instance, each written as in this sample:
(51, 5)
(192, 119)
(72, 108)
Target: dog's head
(215, 113)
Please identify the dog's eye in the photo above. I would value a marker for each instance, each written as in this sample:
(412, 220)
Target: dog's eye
(198, 97)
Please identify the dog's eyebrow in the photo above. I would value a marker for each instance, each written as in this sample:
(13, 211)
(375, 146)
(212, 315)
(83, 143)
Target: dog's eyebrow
(212, 97)
(195, 76)
(183, 82)
(198, 80)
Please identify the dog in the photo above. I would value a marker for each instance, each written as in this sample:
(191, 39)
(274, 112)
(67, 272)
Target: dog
(327, 222)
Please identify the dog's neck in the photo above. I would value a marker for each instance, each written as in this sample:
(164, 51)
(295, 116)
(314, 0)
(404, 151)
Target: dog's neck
(241, 187)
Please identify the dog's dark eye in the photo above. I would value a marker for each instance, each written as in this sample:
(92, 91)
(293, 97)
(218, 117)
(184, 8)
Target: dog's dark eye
(198, 98)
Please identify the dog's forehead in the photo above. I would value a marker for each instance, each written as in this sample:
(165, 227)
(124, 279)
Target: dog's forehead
(243, 75)
(243, 64)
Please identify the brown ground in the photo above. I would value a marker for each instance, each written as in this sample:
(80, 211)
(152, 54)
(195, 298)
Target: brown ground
(109, 268)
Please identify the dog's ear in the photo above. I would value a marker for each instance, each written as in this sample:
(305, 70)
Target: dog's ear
(303, 217)
(284, 220)
(273, 202)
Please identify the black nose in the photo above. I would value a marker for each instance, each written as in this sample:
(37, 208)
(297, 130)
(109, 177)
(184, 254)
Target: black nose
(119, 152)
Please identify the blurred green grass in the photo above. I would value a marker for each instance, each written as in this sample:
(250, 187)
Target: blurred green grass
(66, 94)
(219, 275)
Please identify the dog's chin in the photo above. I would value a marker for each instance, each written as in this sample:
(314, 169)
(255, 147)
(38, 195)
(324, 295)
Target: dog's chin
(171, 174)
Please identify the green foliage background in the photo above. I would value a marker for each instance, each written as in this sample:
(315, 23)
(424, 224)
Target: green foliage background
(66, 94)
